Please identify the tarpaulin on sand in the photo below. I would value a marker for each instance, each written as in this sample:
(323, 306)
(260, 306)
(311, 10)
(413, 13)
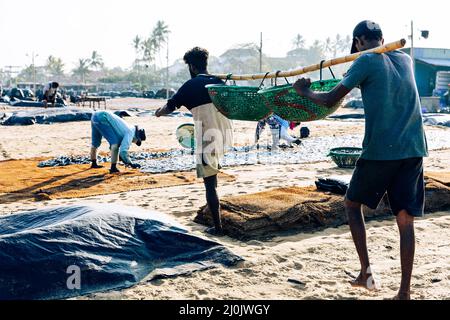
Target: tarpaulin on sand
(64, 252)
(261, 215)
(47, 116)
(437, 119)
(35, 104)
(24, 103)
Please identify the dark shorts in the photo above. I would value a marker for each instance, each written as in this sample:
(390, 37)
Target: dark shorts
(401, 179)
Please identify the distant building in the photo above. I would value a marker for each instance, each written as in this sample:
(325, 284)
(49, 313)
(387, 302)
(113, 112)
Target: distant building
(30, 85)
(432, 70)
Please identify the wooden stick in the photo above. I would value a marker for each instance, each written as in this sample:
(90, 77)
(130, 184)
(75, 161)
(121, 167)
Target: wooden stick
(292, 73)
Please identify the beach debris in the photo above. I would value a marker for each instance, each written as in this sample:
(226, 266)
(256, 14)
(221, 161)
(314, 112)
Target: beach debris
(297, 282)
(332, 185)
(435, 280)
(42, 195)
(351, 275)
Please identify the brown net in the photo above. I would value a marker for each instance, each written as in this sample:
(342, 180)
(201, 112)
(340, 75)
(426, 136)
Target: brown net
(23, 180)
(297, 209)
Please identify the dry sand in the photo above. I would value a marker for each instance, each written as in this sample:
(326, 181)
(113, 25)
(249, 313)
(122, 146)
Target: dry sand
(319, 260)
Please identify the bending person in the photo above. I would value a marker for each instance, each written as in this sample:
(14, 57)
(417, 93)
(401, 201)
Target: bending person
(120, 136)
(213, 132)
(279, 130)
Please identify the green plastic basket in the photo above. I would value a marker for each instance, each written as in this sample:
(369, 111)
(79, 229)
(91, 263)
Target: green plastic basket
(286, 103)
(239, 102)
(345, 157)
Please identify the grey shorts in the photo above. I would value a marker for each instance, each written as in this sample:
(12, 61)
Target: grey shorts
(402, 180)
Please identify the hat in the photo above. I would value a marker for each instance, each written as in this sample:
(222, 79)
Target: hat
(140, 136)
(365, 28)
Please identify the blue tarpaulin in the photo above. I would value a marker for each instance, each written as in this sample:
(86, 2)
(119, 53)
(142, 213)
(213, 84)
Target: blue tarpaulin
(47, 116)
(63, 252)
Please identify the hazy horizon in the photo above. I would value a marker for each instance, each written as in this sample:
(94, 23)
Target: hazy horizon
(72, 30)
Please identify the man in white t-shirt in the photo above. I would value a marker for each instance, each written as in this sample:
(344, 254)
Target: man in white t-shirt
(50, 92)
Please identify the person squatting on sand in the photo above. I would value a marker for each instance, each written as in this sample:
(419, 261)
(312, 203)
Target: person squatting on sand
(50, 94)
(279, 130)
(120, 136)
(213, 131)
(393, 149)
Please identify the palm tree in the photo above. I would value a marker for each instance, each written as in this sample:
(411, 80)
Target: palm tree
(328, 46)
(54, 66)
(148, 50)
(96, 60)
(299, 42)
(82, 69)
(160, 36)
(346, 44)
(315, 52)
(27, 73)
(160, 33)
(137, 45)
(337, 44)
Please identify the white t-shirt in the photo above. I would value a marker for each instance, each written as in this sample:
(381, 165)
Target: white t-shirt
(48, 88)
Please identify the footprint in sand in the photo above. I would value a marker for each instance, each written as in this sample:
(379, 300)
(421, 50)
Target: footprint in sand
(298, 266)
(280, 259)
(202, 292)
(247, 271)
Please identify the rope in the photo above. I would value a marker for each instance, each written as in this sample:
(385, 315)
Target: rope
(228, 77)
(262, 82)
(276, 76)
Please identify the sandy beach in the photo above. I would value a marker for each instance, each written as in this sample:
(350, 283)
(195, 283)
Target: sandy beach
(320, 262)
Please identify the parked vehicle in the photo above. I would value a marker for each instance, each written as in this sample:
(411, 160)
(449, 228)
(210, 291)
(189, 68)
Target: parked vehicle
(162, 94)
(148, 94)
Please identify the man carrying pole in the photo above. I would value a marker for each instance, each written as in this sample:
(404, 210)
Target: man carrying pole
(213, 132)
(393, 147)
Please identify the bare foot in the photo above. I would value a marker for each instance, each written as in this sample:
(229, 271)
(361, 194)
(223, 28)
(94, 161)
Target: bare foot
(402, 296)
(214, 232)
(114, 171)
(364, 280)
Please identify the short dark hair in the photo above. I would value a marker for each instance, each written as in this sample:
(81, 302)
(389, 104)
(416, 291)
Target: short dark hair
(55, 85)
(197, 57)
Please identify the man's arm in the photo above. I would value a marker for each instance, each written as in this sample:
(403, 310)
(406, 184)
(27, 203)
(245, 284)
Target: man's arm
(355, 76)
(124, 146)
(163, 111)
(327, 99)
(123, 151)
(175, 102)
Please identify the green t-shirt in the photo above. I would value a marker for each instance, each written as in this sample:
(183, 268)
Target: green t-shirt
(394, 125)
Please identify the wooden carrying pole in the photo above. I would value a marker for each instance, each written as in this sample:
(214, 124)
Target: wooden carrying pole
(328, 63)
